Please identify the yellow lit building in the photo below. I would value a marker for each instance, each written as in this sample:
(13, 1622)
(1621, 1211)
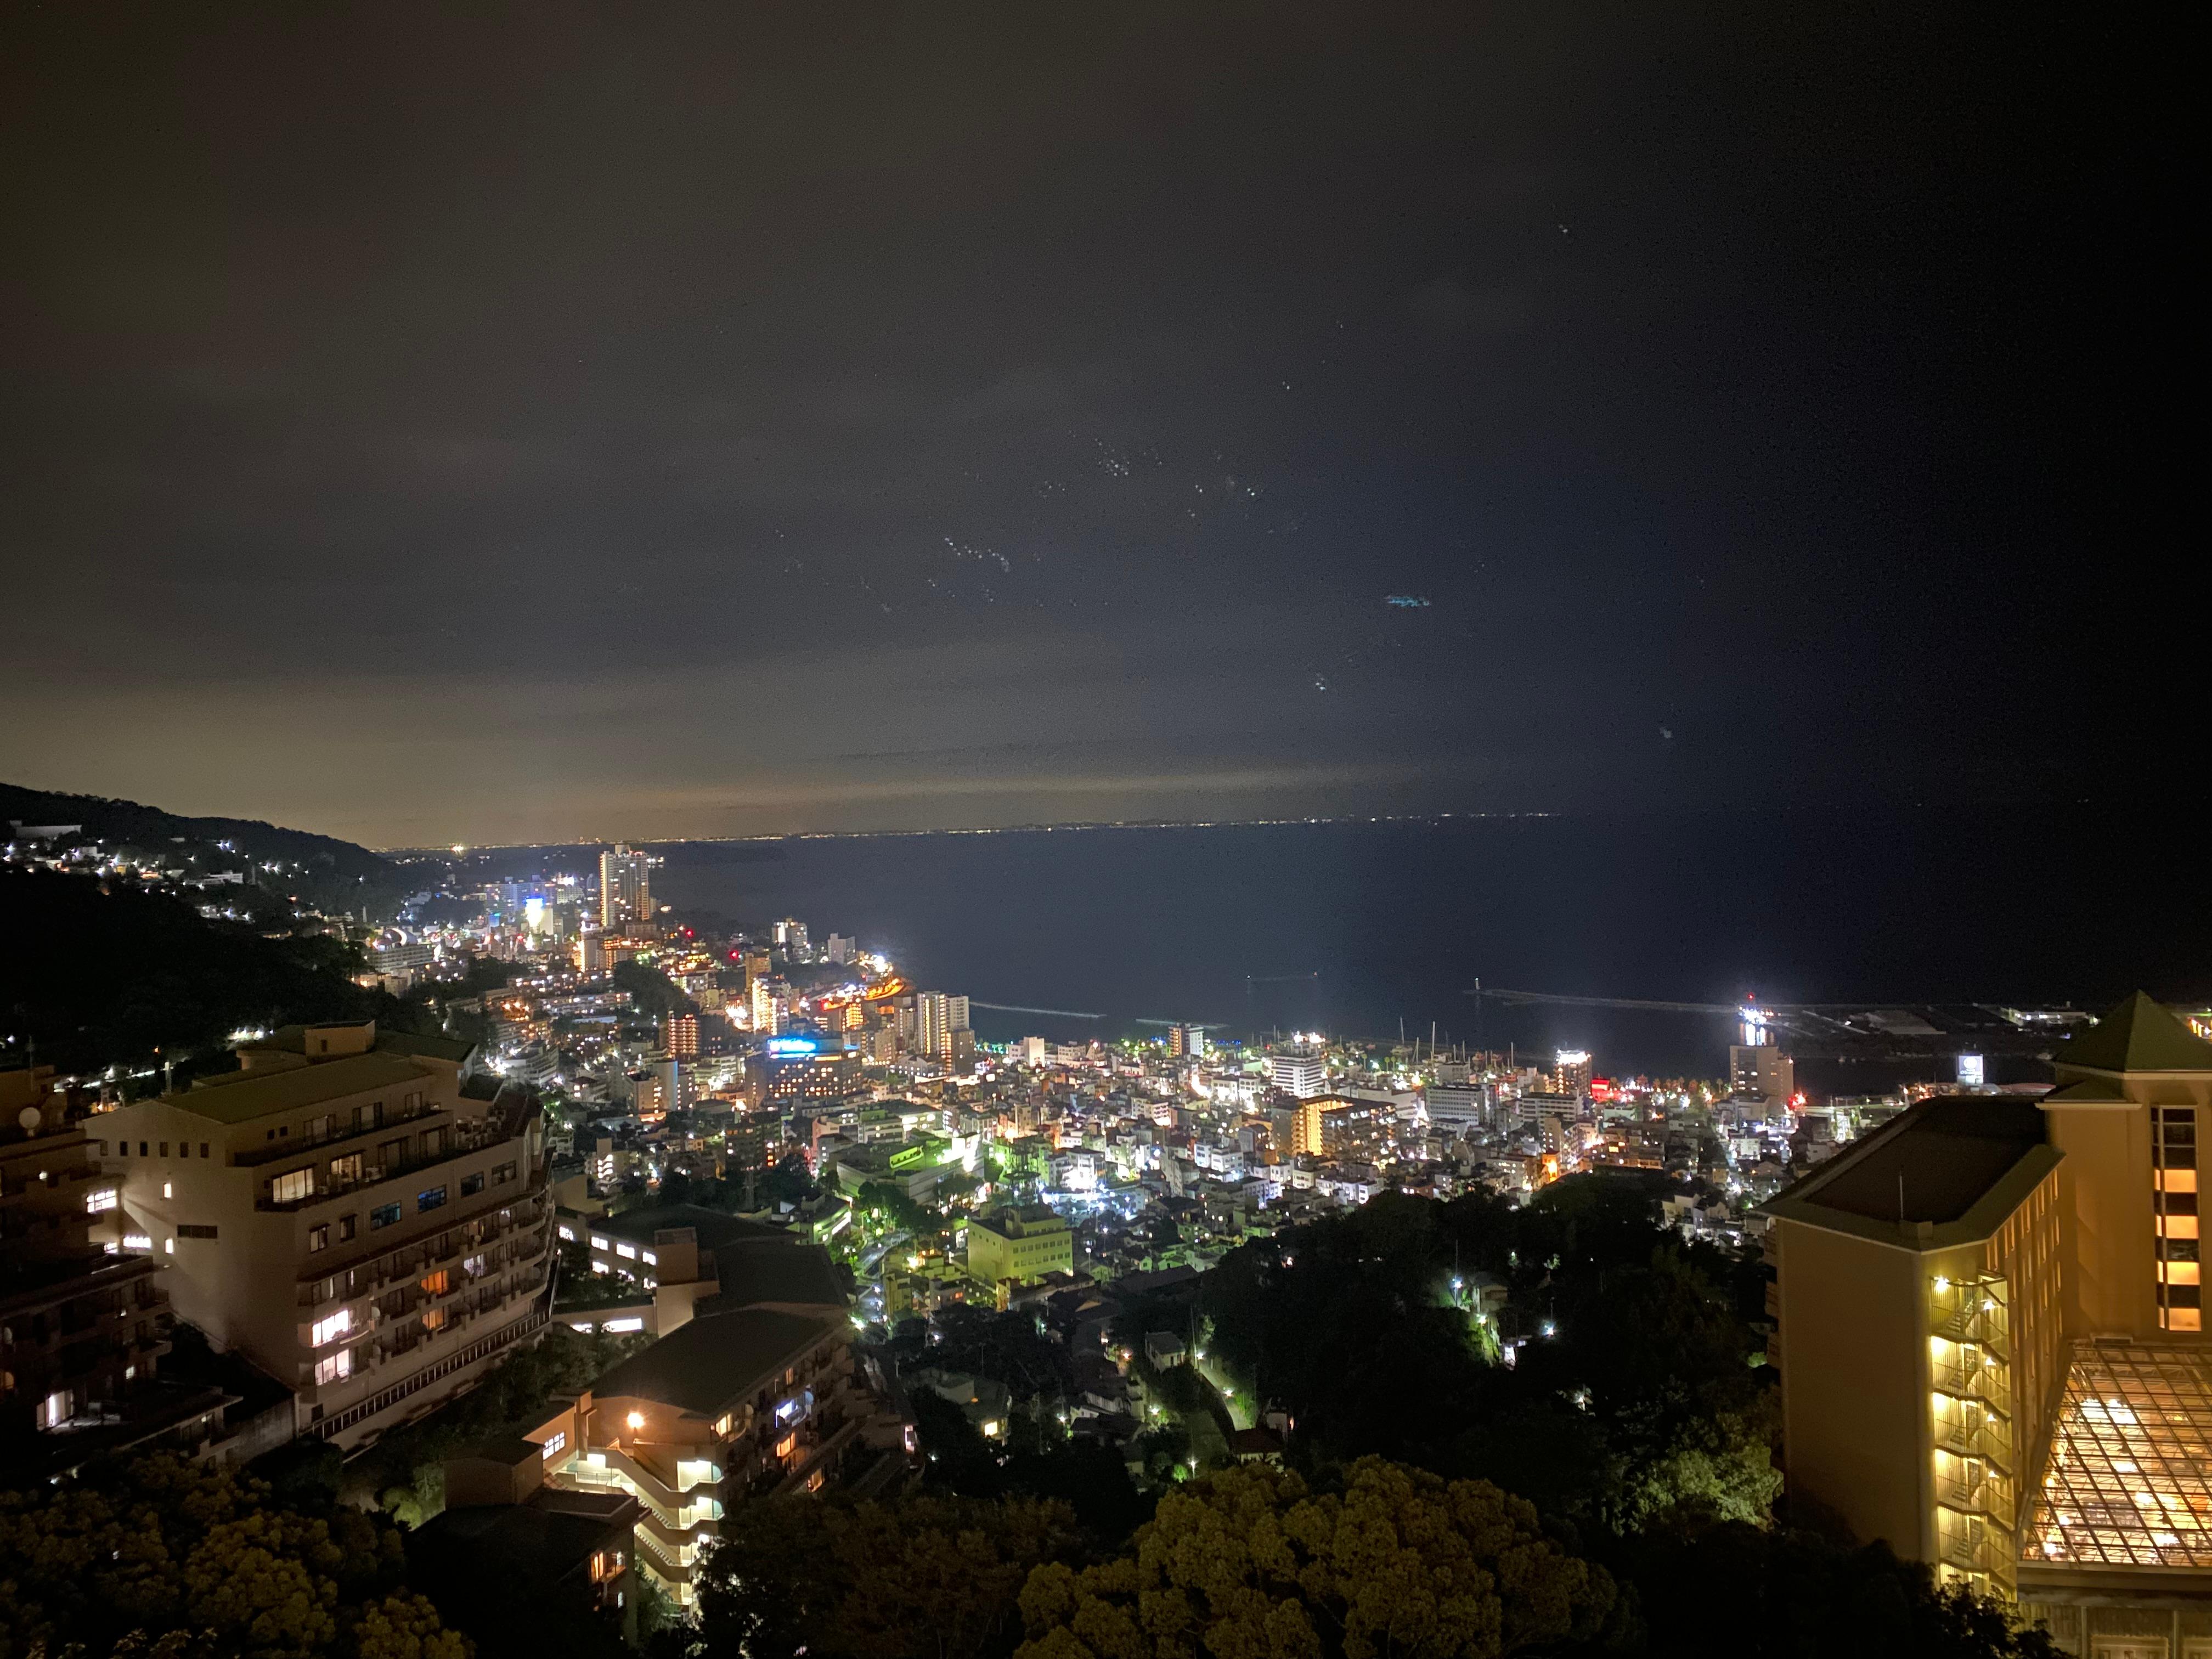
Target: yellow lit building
(1990, 1334)
(1023, 1245)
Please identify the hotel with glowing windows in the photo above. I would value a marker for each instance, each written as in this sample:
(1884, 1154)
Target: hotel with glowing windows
(1989, 1331)
(345, 1211)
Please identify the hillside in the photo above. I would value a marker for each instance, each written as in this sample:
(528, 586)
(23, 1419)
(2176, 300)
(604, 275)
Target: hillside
(100, 976)
(333, 874)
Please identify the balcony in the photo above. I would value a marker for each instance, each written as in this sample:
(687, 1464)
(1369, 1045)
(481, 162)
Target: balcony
(276, 1152)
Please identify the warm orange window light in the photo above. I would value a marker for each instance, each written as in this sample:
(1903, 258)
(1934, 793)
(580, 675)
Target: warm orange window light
(437, 1284)
(783, 1446)
(636, 1419)
(2176, 1181)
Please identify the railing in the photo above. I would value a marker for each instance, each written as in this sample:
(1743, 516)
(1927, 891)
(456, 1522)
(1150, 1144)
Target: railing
(275, 1151)
(384, 1399)
(481, 1232)
(673, 1519)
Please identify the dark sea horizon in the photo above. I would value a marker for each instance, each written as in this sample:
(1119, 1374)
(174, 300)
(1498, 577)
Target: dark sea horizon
(1353, 927)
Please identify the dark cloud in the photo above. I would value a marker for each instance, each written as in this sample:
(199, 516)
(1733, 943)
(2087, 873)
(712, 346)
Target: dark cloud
(431, 424)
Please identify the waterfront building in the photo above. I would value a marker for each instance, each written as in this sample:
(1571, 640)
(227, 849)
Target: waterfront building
(1570, 1074)
(347, 1214)
(1990, 1334)
(937, 1017)
(625, 888)
(1300, 1072)
(1761, 1072)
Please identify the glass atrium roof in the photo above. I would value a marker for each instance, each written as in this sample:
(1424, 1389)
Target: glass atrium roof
(2130, 1478)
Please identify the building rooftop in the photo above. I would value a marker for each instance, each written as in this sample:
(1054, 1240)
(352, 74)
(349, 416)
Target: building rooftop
(706, 1364)
(2139, 1034)
(764, 1270)
(540, 1542)
(1930, 1166)
(241, 1096)
(715, 1229)
(293, 1040)
(2128, 1481)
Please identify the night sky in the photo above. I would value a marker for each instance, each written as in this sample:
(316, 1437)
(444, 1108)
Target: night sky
(538, 421)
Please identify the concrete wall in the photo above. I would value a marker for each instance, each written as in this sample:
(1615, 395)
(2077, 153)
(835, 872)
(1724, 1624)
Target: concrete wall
(2105, 1222)
(1854, 1382)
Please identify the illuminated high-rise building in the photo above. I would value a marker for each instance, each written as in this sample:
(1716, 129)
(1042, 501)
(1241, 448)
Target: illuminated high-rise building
(680, 1035)
(1761, 1072)
(767, 1007)
(1186, 1042)
(936, 1018)
(1990, 1333)
(1570, 1074)
(1299, 1072)
(625, 888)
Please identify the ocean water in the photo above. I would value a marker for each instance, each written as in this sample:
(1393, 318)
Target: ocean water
(1356, 927)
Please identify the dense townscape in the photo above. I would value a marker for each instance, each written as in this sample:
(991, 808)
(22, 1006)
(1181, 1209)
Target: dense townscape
(567, 1270)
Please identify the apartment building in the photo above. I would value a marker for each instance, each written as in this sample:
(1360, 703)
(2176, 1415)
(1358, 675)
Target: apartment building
(83, 1328)
(1989, 1336)
(347, 1213)
(753, 1403)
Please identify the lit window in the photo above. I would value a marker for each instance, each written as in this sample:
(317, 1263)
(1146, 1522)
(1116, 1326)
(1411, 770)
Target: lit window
(337, 1368)
(137, 1241)
(430, 1198)
(629, 1252)
(567, 1232)
(648, 1256)
(100, 1202)
(287, 1188)
(611, 1325)
(329, 1330)
(599, 1243)
(168, 1189)
(555, 1445)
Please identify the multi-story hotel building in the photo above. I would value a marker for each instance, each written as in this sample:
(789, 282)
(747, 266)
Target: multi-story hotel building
(347, 1213)
(758, 1401)
(1989, 1330)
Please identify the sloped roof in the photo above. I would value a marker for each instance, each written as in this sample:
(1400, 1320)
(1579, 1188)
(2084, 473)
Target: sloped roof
(2139, 1034)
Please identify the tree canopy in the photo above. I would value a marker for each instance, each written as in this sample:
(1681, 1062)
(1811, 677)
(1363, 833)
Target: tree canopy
(166, 1557)
(925, 1577)
(1250, 1563)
